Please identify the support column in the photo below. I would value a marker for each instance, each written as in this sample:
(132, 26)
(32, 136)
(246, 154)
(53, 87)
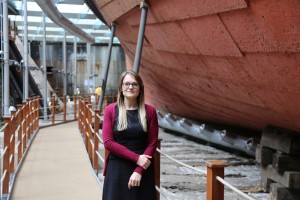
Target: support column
(139, 45)
(65, 62)
(75, 65)
(6, 59)
(88, 67)
(106, 66)
(25, 50)
(44, 68)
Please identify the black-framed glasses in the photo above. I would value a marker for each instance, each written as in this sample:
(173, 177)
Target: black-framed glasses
(134, 85)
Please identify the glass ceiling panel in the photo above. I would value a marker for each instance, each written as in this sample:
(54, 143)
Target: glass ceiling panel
(80, 15)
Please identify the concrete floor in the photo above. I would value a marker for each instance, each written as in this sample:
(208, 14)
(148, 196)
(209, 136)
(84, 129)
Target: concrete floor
(57, 167)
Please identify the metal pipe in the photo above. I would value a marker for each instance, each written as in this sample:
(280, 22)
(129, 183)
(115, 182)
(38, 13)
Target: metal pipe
(44, 67)
(106, 66)
(25, 57)
(2, 64)
(6, 58)
(75, 64)
(139, 45)
(65, 62)
(88, 66)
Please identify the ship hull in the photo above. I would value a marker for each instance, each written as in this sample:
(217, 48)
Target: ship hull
(230, 62)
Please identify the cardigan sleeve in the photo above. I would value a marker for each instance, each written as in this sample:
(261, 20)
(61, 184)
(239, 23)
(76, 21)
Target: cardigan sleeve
(108, 139)
(152, 135)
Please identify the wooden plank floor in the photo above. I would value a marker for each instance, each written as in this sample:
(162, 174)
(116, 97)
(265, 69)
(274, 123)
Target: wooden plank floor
(57, 167)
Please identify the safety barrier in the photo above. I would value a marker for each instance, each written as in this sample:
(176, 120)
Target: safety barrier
(215, 169)
(19, 130)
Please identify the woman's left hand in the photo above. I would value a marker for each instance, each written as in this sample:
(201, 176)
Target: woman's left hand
(135, 180)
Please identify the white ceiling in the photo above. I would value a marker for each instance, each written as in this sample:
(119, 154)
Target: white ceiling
(75, 10)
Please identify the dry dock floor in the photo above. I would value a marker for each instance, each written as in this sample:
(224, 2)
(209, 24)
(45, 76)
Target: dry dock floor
(57, 167)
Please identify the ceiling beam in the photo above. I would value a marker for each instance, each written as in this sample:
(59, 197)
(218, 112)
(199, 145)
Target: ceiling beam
(52, 12)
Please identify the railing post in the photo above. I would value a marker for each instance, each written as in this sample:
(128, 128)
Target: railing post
(96, 140)
(65, 108)
(85, 128)
(75, 106)
(37, 111)
(33, 107)
(31, 100)
(20, 119)
(53, 108)
(5, 186)
(215, 189)
(24, 135)
(29, 117)
(156, 161)
(28, 121)
(89, 132)
(105, 102)
(79, 114)
(12, 142)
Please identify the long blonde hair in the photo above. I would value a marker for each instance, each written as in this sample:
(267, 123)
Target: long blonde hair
(122, 118)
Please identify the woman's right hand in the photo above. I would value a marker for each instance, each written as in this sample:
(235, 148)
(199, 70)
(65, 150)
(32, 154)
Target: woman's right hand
(144, 161)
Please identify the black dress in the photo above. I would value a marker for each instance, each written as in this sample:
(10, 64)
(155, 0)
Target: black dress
(119, 170)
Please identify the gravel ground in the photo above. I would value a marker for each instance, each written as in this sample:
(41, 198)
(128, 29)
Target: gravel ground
(181, 183)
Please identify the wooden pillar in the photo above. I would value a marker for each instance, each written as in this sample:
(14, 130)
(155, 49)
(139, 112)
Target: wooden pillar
(156, 161)
(28, 121)
(33, 107)
(24, 135)
(20, 119)
(96, 140)
(5, 186)
(79, 114)
(65, 108)
(84, 117)
(89, 131)
(37, 111)
(28, 118)
(12, 142)
(75, 106)
(105, 102)
(215, 189)
(53, 108)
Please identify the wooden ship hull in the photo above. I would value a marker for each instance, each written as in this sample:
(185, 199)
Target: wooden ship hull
(232, 62)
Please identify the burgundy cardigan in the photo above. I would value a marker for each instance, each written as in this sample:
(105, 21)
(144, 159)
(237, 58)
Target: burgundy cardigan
(120, 150)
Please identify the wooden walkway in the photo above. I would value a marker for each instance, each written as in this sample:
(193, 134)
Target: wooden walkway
(57, 167)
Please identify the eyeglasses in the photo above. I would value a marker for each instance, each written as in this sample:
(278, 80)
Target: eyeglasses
(127, 85)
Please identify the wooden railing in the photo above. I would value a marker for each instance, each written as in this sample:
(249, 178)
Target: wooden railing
(19, 129)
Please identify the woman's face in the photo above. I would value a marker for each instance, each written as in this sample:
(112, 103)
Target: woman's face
(130, 87)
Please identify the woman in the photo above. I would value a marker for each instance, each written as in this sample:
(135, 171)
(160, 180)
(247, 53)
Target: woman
(130, 132)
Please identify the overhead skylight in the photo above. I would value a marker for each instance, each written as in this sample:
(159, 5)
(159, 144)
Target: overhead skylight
(80, 15)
